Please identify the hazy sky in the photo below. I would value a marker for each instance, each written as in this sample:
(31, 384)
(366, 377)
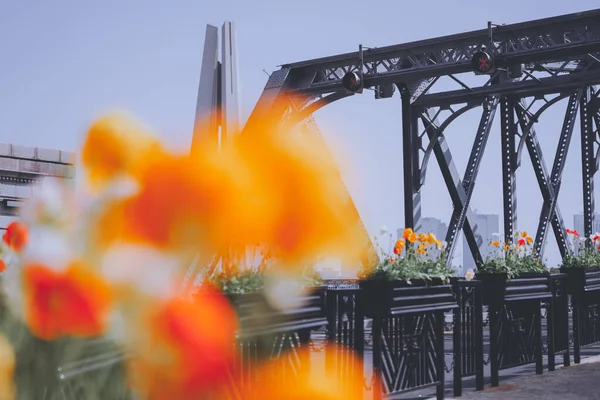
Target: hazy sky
(63, 63)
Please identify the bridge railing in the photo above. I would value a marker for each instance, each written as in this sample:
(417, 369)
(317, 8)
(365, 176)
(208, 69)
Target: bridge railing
(409, 346)
(532, 320)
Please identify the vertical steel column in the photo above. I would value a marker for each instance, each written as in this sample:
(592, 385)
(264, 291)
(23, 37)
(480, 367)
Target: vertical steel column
(588, 165)
(410, 156)
(494, 310)
(538, 352)
(508, 168)
(377, 357)
(478, 330)
(440, 360)
(457, 349)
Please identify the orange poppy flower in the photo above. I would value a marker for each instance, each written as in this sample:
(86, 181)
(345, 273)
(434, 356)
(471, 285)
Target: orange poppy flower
(274, 175)
(412, 237)
(178, 203)
(2, 265)
(16, 236)
(399, 246)
(189, 348)
(407, 232)
(70, 302)
(114, 145)
(431, 239)
(495, 243)
(306, 383)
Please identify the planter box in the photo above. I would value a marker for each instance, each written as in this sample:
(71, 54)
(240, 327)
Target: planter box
(494, 287)
(379, 298)
(497, 287)
(581, 279)
(256, 315)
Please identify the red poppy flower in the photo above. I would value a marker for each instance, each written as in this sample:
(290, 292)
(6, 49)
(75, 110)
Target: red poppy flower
(572, 232)
(69, 302)
(190, 348)
(16, 236)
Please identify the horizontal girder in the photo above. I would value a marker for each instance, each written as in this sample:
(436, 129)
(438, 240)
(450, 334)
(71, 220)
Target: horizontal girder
(524, 88)
(546, 40)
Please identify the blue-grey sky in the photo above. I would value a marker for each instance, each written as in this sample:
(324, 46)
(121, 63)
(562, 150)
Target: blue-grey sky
(63, 63)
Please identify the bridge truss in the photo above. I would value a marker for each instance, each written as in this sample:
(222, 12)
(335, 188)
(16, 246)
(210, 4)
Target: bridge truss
(538, 64)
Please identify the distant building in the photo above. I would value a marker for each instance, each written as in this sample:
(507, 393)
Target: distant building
(578, 223)
(488, 225)
(22, 169)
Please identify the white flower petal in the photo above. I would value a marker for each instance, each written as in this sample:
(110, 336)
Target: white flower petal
(150, 270)
(50, 247)
(283, 292)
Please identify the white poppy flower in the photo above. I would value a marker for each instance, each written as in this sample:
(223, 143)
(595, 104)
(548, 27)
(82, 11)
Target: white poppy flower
(470, 274)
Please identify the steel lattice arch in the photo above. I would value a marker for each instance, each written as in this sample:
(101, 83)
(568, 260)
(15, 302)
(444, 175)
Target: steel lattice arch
(541, 61)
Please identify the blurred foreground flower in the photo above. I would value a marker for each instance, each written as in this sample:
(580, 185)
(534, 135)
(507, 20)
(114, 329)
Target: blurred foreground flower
(304, 384)
(7, 367)
(81, 263)
(72, 302)
(16, 236)
(114, 147)
(184, 349)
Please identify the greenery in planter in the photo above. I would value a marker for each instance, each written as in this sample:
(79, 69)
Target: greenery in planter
(242, 281)
(415, 256)
(583, 256)
(514, 258)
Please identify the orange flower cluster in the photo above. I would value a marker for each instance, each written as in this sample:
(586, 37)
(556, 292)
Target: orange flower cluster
(121, 256)
(523, 239)
(412, 237)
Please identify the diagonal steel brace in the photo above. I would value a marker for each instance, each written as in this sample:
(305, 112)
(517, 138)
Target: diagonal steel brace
(459, 214)
(455, 186)
(549, 183)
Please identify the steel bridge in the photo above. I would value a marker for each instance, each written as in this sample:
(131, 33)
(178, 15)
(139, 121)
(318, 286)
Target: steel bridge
(533, 65)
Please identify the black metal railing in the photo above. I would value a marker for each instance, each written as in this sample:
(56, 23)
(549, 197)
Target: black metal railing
(531, 321)
(468, 334)
(345, 335)
(423, 333)
(557, 321)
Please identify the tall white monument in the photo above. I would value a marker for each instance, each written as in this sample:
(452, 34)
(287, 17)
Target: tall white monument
(217, 115)
(217, 108)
